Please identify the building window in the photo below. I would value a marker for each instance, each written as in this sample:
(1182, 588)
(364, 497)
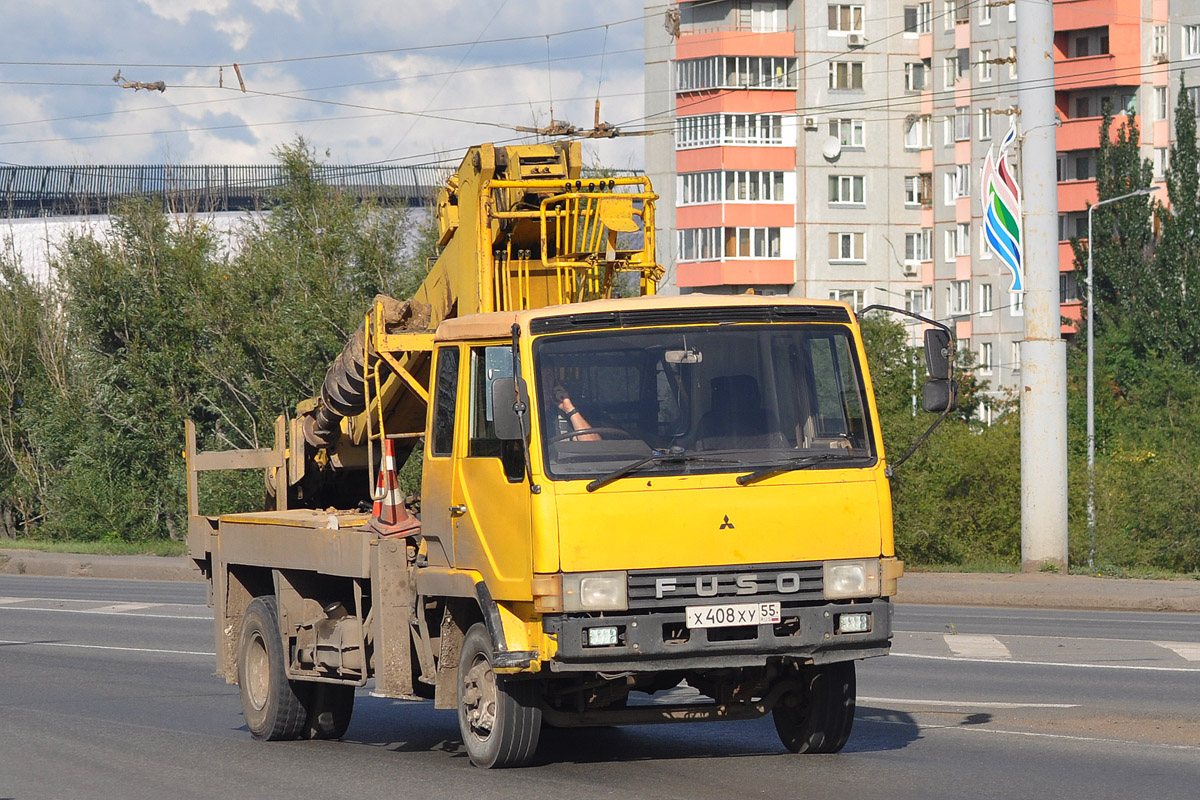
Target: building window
(707, 130)
(985, 299)
(1160, 162)
(958, 295)
(753, 243)
(1161, 102)
(918, 189)
(850, 132)
(949, 71)
(917, 246)
(914, 301)
(845, 75)
(855, 298)
(1191, 41)
(985, 124)
(962, 239)
(1194, 97)
(699, 244)
(754, 186)
(1015, 356)
(962, 123)
(763, 16)
(949, 245)
(1068, 288)
(845, 246)
(948, 15)
(1012, 11)
(962, 12)
(985, 66)
(699, 187)
(1088, 42)
(1159, 46)
(1016, 304)
(963, 180)
(735, 72)
(916, 76)
(845, 19)
(917, 18)
(985, 13)
(846, 189)
(985, 358)
(918, 132)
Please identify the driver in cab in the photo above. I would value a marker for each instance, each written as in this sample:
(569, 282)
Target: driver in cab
(561, 412)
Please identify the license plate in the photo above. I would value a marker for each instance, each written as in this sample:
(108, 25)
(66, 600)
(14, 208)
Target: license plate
(731, 615)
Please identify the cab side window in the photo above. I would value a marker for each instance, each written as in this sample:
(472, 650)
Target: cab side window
(486, 365)
(445, 395)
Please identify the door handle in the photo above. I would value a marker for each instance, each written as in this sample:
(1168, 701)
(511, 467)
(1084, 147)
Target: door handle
(457, 511)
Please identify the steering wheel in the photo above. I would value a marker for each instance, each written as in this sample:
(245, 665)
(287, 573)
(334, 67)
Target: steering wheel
(617, 432)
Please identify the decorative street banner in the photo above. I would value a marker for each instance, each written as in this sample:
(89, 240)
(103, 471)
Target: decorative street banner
(1002, 209)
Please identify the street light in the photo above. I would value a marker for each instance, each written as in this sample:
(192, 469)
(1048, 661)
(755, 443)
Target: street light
(1091, 405)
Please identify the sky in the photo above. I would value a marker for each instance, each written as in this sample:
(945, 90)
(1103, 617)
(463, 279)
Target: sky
(363, 81)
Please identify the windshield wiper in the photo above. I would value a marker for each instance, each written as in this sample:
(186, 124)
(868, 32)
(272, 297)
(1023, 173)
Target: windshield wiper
(799, 462)
(674, 455)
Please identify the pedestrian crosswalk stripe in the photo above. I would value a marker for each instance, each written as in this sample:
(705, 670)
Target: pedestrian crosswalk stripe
(1188, 650)
(976, 646)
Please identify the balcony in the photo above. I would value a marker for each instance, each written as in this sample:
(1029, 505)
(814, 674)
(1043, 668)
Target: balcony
(750, 272)
(1075, 195)
(699, 43)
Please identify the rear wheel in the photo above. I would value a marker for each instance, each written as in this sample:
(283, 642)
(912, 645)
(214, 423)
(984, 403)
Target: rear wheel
(818, 718)
(499, 718)
(274, 707)
(329, 711)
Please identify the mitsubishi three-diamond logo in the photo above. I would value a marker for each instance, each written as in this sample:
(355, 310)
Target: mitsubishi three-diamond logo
(726, 524)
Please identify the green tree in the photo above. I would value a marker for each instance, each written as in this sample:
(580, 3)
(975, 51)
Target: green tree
(1177, 259)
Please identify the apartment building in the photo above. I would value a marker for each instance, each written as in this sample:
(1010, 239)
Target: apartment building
(833, 149)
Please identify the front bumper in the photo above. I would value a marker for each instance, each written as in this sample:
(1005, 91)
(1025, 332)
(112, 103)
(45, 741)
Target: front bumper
(655, 641)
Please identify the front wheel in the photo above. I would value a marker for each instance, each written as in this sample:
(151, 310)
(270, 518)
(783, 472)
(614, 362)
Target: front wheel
(499, 717)
(818, 717)
(274, 707)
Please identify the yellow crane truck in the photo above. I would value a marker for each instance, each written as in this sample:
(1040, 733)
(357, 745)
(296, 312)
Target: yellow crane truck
(620, 497)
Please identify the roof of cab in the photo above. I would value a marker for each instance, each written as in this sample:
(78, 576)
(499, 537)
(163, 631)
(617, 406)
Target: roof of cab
(499, 324)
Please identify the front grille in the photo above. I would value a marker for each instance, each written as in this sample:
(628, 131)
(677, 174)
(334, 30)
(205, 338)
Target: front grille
(787, 583)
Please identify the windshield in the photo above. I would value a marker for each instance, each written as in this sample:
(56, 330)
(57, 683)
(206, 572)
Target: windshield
(755, 395)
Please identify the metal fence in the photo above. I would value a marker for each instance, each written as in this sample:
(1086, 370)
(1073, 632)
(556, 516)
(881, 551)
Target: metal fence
(27, 191)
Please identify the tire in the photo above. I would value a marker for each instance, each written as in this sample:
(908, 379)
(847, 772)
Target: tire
(499, 718)
(819, 719)
(274, 707)
(329, 711)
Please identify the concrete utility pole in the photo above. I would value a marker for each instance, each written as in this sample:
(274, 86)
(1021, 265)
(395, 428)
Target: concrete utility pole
(1043, 353)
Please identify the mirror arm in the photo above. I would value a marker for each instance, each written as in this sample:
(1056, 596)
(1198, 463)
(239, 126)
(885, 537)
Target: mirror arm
(521, 408)
(891, 467)
(913, 314)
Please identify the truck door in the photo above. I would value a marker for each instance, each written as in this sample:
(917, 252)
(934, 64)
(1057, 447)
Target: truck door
(490, 495)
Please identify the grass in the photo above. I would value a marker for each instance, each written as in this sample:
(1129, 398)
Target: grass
(99, 548)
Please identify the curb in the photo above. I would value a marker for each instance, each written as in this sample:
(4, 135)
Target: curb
(1019, 590)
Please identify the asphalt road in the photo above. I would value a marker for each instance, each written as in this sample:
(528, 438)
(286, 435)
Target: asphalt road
(106, 691)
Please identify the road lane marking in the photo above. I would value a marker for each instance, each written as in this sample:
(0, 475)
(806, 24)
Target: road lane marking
(205, 617)
(108, 647)
(121, 608)
(1032, 734)
(1129, 667)
(976, 646)
(961, 703)
(1188, 650)
(7, 600)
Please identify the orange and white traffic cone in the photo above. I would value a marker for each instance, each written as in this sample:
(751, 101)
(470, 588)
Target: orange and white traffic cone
(389, 516)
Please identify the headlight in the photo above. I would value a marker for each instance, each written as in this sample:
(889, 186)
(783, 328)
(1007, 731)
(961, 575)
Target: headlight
(595, 591)
(858, 578)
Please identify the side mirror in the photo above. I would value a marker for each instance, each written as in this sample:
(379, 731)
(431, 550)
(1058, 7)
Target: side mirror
(937, 354)
(505, 407)
(939, 396)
